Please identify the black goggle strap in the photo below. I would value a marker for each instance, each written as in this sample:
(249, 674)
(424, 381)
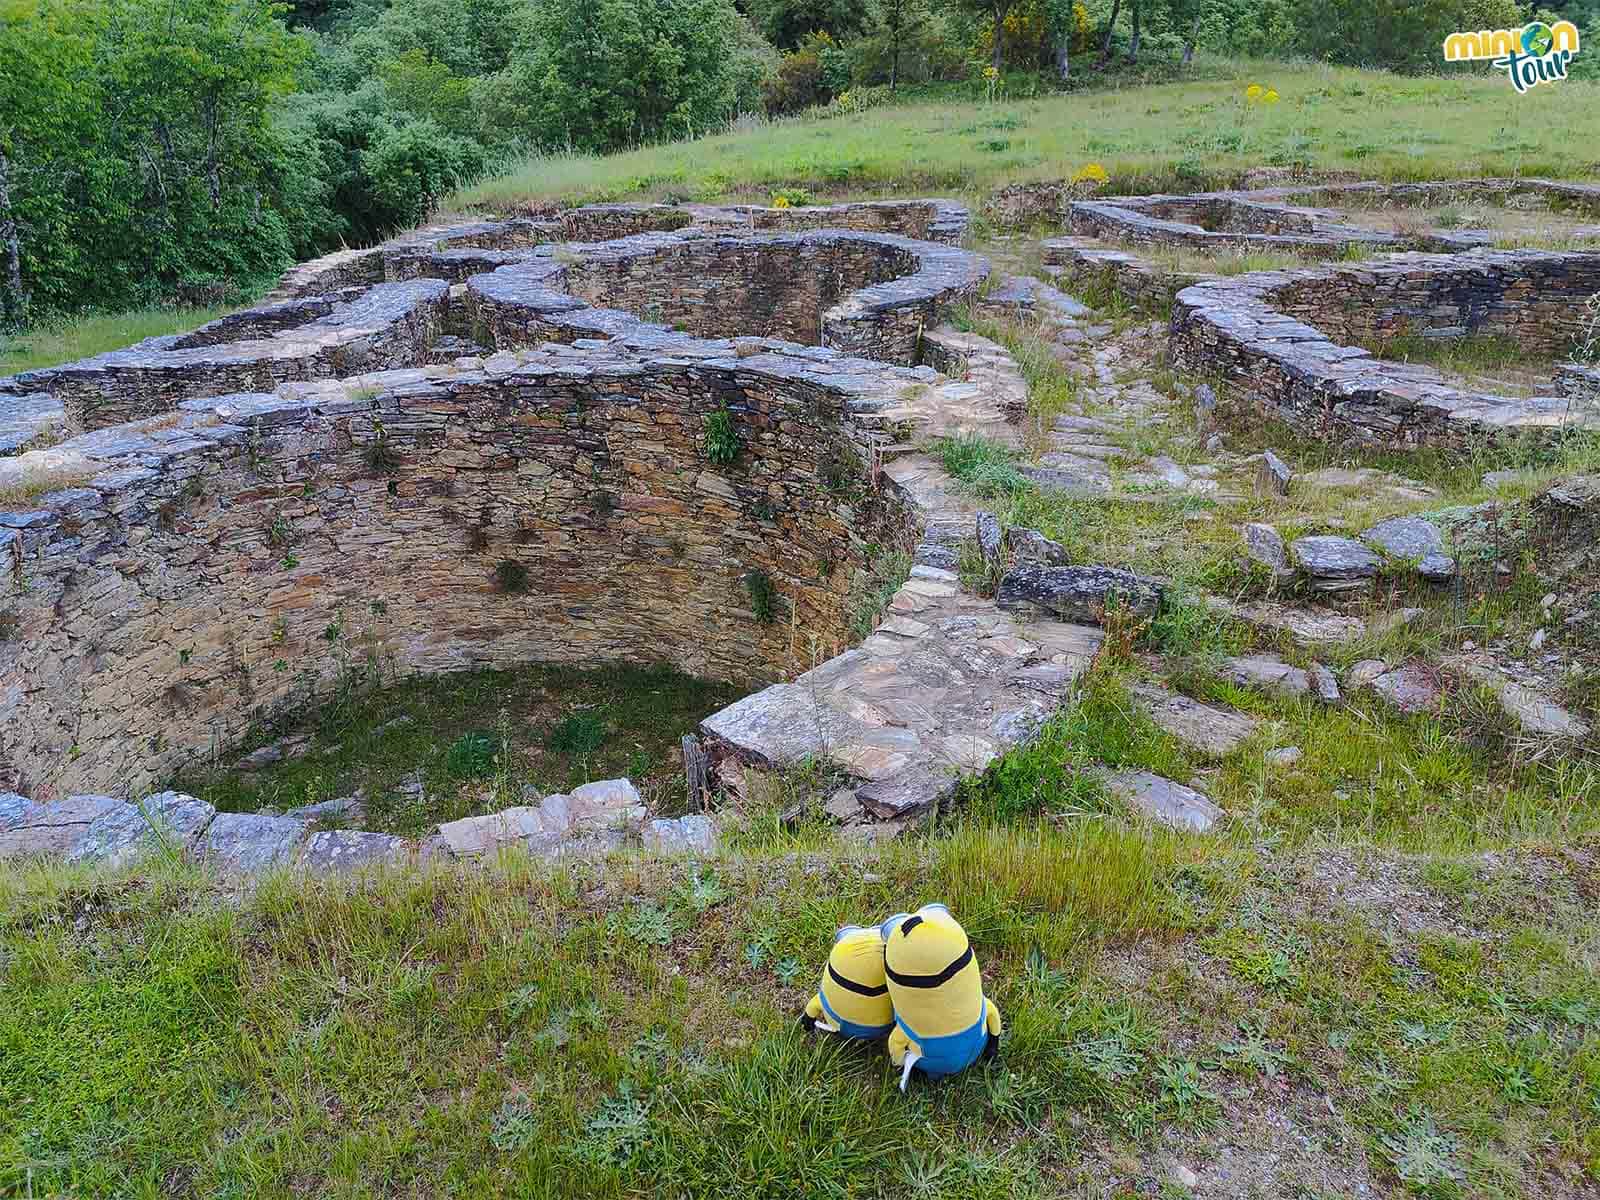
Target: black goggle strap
(850, 985)
(932, 981)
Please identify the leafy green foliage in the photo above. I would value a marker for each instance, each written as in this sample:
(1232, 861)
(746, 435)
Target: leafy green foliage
(581, 732)
(471, 756)
(763, 596)
(722, 437)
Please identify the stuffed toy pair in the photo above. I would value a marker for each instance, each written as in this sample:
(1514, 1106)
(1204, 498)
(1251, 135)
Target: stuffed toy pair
(915, 979)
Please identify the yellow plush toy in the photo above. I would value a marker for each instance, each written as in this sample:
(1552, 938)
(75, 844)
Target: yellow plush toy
(853, 998)
(943, 1021)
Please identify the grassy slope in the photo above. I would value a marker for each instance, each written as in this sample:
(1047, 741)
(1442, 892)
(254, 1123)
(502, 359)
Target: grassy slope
(630, 1031)
(1366, 123)
(95, 334)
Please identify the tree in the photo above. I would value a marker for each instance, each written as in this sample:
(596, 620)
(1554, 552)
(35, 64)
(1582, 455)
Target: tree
(898, 19)
(786, 22)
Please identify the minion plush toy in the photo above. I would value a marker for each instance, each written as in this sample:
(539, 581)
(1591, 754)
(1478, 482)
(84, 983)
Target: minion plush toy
(853, 999)
(943, 1021)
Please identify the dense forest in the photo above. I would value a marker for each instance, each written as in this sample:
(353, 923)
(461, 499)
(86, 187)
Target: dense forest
(159, 148)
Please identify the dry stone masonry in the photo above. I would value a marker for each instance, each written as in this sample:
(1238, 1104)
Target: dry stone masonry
(1285, 339)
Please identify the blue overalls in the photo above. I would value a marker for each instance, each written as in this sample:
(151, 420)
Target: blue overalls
(953, 1052)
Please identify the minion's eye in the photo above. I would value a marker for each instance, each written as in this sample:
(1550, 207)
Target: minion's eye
(845, 931)
(889, 926)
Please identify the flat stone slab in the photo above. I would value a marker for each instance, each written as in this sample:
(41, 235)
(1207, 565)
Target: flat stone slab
(1077, 594)
(1368, 479)
(691, 834)
(1411, 688)
(55, 829)
(248, 842)
(1164, 801)
(130, 831)
(14, 810)
(1334, 564)
(1203, 727)
(336, 851)
(1032, 545)
(1268, 674)
(1410, 538)
(780, 725)
(1535, 713)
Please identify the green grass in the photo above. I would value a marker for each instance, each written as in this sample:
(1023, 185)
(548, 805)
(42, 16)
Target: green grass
(520, 1030)
(475, 740)
(1163, 137)
(96, 333)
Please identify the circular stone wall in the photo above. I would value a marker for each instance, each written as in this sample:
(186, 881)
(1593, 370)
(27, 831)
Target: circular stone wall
(170, 582)
(1283, 338)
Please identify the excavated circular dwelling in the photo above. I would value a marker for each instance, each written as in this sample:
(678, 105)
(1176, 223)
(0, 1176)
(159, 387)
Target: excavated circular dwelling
(650, 497)
(1292, 340)
(869, 293)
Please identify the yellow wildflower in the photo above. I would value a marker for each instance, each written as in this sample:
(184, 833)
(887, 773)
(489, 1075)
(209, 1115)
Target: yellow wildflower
(1091, 173)
(1271, 97)
(780, 201)
(1253, 93)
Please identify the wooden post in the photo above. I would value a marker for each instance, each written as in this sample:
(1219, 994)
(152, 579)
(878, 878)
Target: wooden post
(696, 773)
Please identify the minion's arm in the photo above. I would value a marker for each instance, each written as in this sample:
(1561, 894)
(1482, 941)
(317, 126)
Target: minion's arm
(816, 1017)
(993, 1026)
(904, 1053)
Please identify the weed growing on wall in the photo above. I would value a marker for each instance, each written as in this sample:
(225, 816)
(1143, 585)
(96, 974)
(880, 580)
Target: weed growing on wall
(511, 577)
(763, 596)
(722, 438)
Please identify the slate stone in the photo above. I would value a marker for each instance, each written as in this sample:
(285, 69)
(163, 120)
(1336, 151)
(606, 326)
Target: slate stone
(603, 804)
(918, 788)
(1437, 568)
(1210, 730)
(55, 828)
(691, 834)
(1205, 405)
(1364, 673)
(1335, 564)
(1267, 673)
(345, 808)
(1164, 801)
(14, 810)
(131, 831)
(1264, 544)
(1273, 475)
(843, 806)
(1409, 538)
(1323, 683)
(1076, 593)
(780, 726)
(1033, 546)
(990, 541)
(1534, 713)
(1411, 688)
(336, 851)
(244, 843)
(1283, 756)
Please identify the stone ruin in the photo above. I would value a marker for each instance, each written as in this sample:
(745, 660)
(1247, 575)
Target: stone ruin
(1290, 338)
(240, 513)
(1284, 338)
(486, 444)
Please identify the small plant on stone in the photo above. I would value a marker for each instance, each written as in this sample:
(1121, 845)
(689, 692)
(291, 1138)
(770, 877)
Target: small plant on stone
(764, 509)
(763, 596)
(280, 533)
(381, 456)
(10, 626)
(722, 438)
(511, 577)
